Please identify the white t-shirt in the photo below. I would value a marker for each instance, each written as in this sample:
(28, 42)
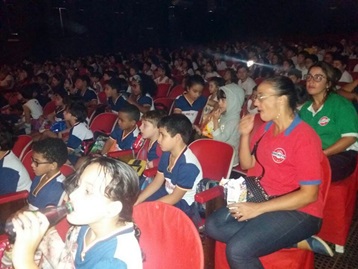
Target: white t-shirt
(346, 77)
(35, 108)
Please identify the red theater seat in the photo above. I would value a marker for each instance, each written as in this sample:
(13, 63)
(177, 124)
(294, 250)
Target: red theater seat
(338, 211)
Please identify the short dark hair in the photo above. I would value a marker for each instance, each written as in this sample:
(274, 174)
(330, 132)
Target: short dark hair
(342, 58)
(193, 80)
(79, 110)
(132, 111)
(295, 72)
(119, 84)
(177, 124)
(123, 186)
(7, 139)
(85, 78)
(53, 150)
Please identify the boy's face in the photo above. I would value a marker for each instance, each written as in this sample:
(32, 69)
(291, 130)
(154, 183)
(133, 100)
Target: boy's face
(124, 122)
(339, 65)
(40, 165)
(67, 115)
(90, 194)
(165, 140)
(195, 91)
(135, 87)
(109, 91)
(148, 129)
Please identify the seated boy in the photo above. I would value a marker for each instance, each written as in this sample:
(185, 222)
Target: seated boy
(76, 115)
(178, 167)
(150, 151)
(126, 132)
(114, 90)
(46, 189)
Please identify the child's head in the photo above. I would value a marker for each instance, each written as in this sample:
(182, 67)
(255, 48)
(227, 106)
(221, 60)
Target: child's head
(108, 74)
(128, 116)
(96, 76)
(194, 87)
(108, 187)
(136, 85)
(230, 76)
(221, 95)
(215, 83)
(295, 75)
(48, 155)
(76, 111)
(6, 137)
(149, 126)
(174, 129)
(114, 86)
(82, 82)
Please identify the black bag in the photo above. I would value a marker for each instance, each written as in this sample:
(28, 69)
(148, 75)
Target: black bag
(255, 192)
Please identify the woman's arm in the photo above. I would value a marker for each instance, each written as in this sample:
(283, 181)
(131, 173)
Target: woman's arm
(246, 125)
(27, 113)
(341, 145)
(305, 195)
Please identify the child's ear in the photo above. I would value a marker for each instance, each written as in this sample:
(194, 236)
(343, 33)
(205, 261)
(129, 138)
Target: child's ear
(54, 166)
(114, 208)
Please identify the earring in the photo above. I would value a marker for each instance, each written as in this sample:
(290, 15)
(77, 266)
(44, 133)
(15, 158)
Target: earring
(278, 116)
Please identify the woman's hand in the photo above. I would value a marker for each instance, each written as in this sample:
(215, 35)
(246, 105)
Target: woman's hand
(30, 227)
(244, 211)
(216, 114)
(246, 124)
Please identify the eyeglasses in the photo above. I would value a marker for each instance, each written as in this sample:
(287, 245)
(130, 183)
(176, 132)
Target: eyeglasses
(37, 163)
(316, 78)
(261, 98)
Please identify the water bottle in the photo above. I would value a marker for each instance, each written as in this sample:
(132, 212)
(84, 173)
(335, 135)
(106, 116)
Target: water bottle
(53, 214)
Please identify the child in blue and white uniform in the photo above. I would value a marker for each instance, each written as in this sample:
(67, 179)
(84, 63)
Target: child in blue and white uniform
(103, 237)
(191, 102)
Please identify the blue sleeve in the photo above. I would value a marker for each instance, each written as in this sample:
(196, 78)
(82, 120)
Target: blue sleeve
(179, 103)
(110, 264)
(187, 175)
(145, 100)
(116, 134)
(9, 178)
(73, 141)
(163, 163)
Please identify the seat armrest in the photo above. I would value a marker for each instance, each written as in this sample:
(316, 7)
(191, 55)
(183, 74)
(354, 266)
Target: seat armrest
(120, 153)
(150, 172)
(210, 194)
(7, 198)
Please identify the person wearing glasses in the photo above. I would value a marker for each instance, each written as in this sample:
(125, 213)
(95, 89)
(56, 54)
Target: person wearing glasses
(334, 119)
(48, 155)
(288, 158)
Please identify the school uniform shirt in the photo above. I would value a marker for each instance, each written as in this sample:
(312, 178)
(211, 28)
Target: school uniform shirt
(78, 133)
(117, 104)
(50, 193)
(188, 109)
(13, 175)
(146, 100)
(89, 95)
(150, 152)
(124, 141)
(185, 174)
(335, 119)
(35, 108)
(291, 158)
(119, 250)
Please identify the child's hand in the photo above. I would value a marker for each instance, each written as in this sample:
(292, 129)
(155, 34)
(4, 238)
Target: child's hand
(215, 115)
(150, 164)
(30, 227)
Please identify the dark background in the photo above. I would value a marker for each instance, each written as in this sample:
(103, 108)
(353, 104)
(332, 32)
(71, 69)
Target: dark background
(43, 29)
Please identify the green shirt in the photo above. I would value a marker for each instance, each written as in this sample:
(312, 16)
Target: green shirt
(335, 119)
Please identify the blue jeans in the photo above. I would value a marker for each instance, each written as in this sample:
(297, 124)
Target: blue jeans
(248, 240)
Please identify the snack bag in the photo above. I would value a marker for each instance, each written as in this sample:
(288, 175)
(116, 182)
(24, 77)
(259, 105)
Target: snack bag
(235, 189)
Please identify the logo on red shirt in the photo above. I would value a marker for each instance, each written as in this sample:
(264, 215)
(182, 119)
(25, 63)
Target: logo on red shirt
(279, 155)
(324, 121)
